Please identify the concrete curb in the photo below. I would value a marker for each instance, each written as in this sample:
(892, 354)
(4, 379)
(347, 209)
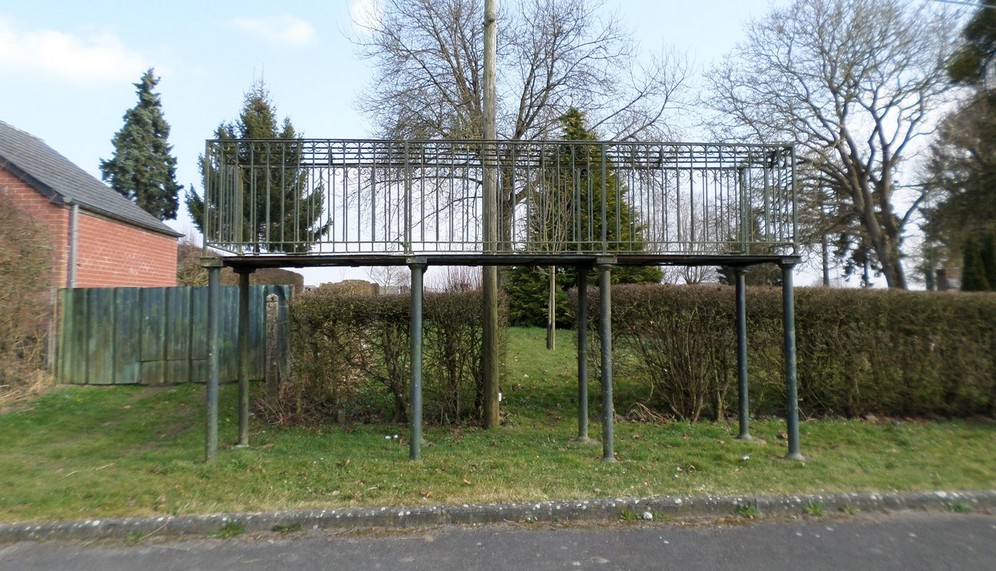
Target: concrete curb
(547, 512)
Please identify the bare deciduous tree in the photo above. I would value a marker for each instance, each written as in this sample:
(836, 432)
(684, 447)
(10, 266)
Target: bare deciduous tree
(457, 279)
(553, 54)
(854, 84)
(391, 279)
(690, 275)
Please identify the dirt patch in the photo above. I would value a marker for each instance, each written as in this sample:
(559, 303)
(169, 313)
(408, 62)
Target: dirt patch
(145, 393)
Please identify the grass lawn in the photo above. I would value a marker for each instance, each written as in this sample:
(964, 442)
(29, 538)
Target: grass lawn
(81, 452)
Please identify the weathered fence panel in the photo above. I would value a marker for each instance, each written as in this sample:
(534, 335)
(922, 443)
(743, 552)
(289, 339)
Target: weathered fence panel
(152, 336)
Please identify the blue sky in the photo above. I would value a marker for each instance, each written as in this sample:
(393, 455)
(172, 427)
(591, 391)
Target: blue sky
(67, 67)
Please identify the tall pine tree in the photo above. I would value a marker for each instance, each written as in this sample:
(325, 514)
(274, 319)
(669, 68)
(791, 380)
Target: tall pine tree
(962, 169)
(286, 218)
(561, 224)
(973, 268)
(143, 168)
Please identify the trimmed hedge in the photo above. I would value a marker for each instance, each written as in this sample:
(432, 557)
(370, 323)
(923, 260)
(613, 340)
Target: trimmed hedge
(860, 352)
(351, 359)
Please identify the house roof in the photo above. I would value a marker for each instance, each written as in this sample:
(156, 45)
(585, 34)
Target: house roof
(64, 183)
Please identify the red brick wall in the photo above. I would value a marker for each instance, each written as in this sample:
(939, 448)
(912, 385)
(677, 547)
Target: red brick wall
(39, 208)
(111, 254)
(108, 253)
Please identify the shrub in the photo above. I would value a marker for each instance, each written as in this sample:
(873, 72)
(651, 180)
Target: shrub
(25, 279)
(528, 290)
(453, 345)
(330, 359)
(684, 351)
(351, 359)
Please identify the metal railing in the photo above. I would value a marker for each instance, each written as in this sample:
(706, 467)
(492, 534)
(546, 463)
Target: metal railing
(347, 197)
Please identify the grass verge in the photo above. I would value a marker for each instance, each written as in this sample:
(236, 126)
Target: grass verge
(85, 452)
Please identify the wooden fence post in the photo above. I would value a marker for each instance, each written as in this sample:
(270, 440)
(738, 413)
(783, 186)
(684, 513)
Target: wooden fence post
(272, 373)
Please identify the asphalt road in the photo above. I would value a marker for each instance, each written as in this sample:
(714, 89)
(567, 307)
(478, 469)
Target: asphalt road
(906, 540)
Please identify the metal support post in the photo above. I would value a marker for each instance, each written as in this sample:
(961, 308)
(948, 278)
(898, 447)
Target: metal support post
(213, 266)
(491, 359)
(582, 332)
(742, 390)
(605, 332)
(791, 388)
(417, 267)
(244, 357)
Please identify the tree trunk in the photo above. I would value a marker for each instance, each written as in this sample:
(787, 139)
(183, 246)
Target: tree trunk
(895, 277)
(825, 251)
(889, 257)
(884, 238)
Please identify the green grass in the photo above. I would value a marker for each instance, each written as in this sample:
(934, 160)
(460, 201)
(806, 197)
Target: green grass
(82, 452)
(814, 509)
(748, 511)
(849, 509)
(230, 529)
(960, 507)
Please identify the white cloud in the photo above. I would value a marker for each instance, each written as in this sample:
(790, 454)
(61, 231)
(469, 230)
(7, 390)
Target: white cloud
(365, 14)
(66, 57)
(289, 30)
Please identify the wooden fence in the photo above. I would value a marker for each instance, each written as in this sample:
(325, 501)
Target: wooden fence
(152, 336)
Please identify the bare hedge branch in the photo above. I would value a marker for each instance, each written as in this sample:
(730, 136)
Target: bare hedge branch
(25, 304)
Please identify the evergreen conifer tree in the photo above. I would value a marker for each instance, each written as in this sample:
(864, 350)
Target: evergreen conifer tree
(284, 219)
(962, 169)
(554, 215)
(973, 270)
(988, 254)
(143, 169)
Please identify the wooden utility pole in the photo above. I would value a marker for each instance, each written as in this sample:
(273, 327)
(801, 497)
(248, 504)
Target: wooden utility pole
(491, 361)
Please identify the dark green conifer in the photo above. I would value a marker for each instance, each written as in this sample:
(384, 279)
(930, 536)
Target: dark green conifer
(557, 215)
(143, 169)
(973, 270)
(286, 218)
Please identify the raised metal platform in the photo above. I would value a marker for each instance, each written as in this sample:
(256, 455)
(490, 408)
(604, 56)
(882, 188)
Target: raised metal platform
(325, 202)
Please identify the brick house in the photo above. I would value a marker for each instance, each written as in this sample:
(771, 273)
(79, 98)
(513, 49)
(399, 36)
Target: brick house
(99, 238)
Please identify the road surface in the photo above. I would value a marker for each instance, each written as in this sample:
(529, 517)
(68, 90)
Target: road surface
(907, 540)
